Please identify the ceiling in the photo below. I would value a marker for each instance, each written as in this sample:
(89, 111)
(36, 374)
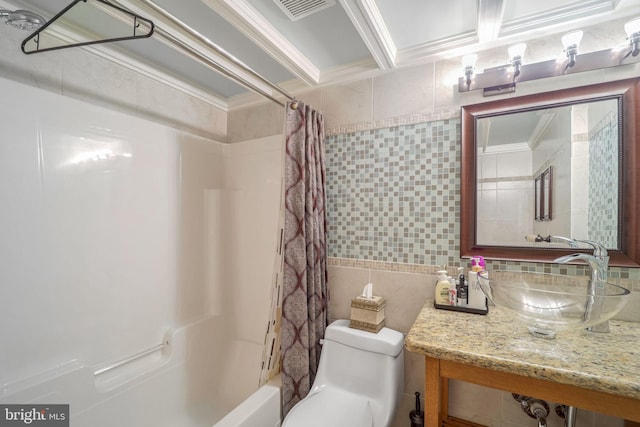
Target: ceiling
(338, 42)
(523, 130)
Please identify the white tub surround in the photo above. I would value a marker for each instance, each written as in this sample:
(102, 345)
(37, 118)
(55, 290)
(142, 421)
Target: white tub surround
(126, 296)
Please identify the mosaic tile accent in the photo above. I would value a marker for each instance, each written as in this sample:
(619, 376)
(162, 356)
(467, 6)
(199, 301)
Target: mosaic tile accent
(393, 194)
(393, 201)
(603, 176)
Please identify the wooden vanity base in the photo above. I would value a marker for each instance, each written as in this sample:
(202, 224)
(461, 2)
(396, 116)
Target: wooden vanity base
(457, 422)
(439, 371)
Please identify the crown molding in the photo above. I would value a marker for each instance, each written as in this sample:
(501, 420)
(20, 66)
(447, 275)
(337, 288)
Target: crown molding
(562, 15)
(242, 16)
(152, 72)
(352, 71)
(200, 44)
(541, 127)
(490, 14)
(366, 18)
(437, 49)
(514, 147)
(250, 99)
(349, 72)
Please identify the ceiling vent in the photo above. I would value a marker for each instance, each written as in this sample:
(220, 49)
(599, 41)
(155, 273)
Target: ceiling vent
(296, 9)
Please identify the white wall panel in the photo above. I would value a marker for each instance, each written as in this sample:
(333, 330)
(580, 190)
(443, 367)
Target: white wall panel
(89, 226)
(253, 172)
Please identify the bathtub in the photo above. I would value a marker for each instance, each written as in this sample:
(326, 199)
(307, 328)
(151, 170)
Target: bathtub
(261, 409)
(190, 380)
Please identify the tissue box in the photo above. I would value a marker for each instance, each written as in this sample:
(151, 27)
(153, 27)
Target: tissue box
(367, 314)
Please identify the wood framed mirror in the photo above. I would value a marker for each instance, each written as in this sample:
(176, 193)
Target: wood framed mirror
(615, 167)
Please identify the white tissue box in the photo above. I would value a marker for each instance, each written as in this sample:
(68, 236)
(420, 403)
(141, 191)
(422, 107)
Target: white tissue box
(367, 314)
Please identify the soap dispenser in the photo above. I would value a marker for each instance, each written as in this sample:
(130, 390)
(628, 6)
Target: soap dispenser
(442, 288)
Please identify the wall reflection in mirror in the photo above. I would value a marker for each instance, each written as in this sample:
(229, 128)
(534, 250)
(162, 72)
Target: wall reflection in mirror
(549, 171)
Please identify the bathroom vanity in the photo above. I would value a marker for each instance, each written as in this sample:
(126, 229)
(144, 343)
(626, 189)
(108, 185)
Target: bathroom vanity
(598, 372)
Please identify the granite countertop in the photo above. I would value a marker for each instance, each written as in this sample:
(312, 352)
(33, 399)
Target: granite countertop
(605, 362)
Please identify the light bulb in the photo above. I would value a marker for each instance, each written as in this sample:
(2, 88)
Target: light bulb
(572, 39)
(517, 50)
(632, 27)
(469, 61)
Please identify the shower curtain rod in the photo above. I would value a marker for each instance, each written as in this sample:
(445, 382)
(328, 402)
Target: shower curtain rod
(210, 62)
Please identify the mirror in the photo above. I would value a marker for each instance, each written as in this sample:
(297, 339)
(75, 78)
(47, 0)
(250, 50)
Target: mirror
(516, 157)
(561, 163)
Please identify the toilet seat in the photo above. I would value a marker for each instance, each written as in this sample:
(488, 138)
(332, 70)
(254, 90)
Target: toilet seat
(331, 407)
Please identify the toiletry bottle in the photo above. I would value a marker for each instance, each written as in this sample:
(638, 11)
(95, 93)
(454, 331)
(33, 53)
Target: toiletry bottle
(477, 298)
(453, 292)
(442, 289)
(463, 296)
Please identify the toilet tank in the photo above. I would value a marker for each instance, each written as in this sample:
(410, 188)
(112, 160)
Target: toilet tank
(364, 363)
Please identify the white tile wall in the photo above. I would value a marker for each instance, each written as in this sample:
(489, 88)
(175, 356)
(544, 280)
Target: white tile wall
(506, 194)
(260, 121)
(412, 85)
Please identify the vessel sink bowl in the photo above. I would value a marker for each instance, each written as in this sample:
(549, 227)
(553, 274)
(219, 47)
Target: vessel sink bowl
(549, 303)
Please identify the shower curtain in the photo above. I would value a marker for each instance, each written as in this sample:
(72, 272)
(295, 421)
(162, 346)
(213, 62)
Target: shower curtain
(305, 296)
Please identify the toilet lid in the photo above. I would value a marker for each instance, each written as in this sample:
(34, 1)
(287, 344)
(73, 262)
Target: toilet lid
(335, 408)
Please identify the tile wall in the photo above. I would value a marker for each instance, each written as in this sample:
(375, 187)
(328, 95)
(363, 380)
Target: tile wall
(392, 193)
(505, 197)
(603, 158)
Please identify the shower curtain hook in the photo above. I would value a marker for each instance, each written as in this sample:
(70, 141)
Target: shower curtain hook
(294, 104)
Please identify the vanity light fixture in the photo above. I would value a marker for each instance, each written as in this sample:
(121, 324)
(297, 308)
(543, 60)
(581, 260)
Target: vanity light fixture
(502, 79)
(632, 28)
(516, 53)
(469, 65)
(571, 41)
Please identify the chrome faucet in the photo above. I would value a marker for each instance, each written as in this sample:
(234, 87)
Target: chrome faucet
(599, 264)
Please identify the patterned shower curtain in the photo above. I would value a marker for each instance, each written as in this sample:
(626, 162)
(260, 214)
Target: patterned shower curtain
(305, 295)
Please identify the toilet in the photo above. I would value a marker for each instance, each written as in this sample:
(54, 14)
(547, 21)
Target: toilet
(358, 383)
